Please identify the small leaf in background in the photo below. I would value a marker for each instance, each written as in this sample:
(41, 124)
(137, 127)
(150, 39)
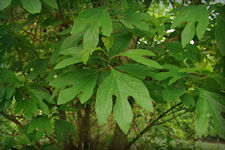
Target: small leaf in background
(51, 3)
(187, 100)
(29, 108)
(121, 41)
(32, 6)
(220, 31)
(37, 68)
(191, 52)
(192, 15)
(122, 86)
(133, 19)
(137, 70)
(155, 89)
(39, 125)
(173, 74)
(8, 76)
(213, 104)
(172, 92)
(62, 129)
(139, 55)
(108, 42)
(4, 4)
(85, 53)
(101, 19)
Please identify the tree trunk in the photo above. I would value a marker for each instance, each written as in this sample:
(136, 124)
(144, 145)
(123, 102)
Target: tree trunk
(119, 141)
(84, 128)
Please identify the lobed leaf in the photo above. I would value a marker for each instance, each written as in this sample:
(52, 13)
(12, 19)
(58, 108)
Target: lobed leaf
(122, 86)
(192, 15)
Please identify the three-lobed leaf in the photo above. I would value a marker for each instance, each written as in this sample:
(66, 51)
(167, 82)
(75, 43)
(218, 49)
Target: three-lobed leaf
(122, 86)
(192, 15)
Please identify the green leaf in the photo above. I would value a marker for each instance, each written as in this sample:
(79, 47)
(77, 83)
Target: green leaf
(67, 61)
(73, 51)
(192, 15)
(9, 91)
(172, 92)
(2, 92)
(32, 6)
(51, 3)
(121, 41)
(187, 100)
(138, 71)
(155, 89)
(138, 56)
(173, 74)
(29, 108)
(62, 128)
(85, 53)
(82, 81)
(71, 41)
(4, 4)
(220, 79)
(133, 19)
(43, 124)
(7, 76)
(213, 104)
(122, 86)
(220, 31)
(97, 18)
(188, 33)
(37, 68)
(201, 120)
(108, 42)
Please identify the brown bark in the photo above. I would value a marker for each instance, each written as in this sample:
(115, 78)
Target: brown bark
(83, 126)
(119, 140)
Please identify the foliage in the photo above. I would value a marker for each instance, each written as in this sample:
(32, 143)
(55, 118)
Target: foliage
(91, 74)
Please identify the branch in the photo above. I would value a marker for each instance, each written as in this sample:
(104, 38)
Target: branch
(172, 4)
(12, 118)
(150, 125)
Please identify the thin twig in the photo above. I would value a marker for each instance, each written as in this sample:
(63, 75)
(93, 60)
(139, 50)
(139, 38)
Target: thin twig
(150, 125)
(12, 118)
